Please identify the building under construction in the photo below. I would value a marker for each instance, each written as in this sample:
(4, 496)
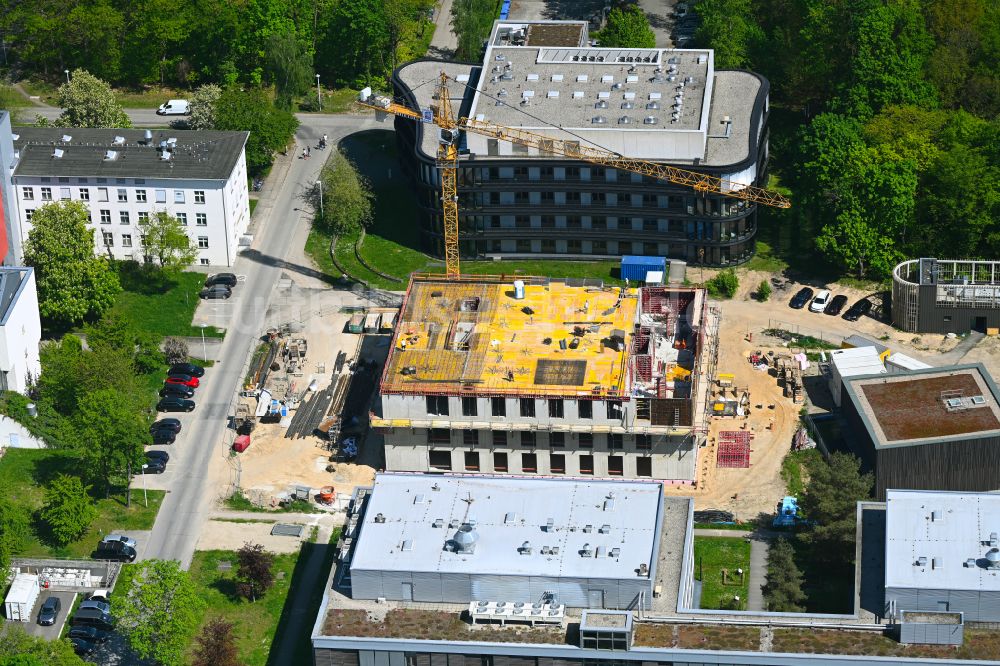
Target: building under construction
(544, 376)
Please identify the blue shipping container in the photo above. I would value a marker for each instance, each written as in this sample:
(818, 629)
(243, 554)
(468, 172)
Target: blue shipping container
(634, 267)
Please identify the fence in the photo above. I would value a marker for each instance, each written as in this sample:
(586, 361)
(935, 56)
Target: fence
(798, 331)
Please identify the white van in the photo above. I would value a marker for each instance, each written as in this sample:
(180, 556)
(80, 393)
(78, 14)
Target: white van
(175, 107)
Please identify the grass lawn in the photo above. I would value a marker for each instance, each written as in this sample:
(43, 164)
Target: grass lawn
(256, 623)
(148, 99)
(253, 205)
(164, 308)
(24, 473)
(712, 555)
(795, 468)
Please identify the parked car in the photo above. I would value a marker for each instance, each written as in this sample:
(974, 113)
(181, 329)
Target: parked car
(183, 380)
(90, 634)
(819, 303)
(835, 305)
(186, 369)
(158, 455)
(154, 466)
(858, 310)
(114, 550)
(163, 437)
(227, 279)
(176, 390)
(218, 291)
(102, 606)
(93, 617)
(166, 424)
(173, 404)
(127, 540)
(800, 298)
(49, 611)
(174, 107)
(82, 646)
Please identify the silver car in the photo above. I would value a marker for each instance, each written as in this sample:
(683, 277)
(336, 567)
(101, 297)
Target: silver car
(127, 540)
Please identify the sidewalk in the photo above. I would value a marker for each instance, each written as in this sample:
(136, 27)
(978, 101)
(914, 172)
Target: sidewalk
(444, 43)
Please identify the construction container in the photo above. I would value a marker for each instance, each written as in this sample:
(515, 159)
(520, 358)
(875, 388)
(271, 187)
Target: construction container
(371, 322)
(241, 444)
(20, 600)
(634, 267)
(356, 324)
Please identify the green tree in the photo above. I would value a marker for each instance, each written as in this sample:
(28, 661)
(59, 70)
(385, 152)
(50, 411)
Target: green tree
(783, 586)
(255, 573)
(627, 28)
(830, 499)
(73, 284)
(347, 196)
(270, 128)
(471, 21)
(355, 50)
(158, 609)
(115, 429)
(88, 101)
(165, 239)
(202, 105)
(14, 531)
(728, 27)
(289, 66)
(68, 509)
(216, 645)
(17, 648)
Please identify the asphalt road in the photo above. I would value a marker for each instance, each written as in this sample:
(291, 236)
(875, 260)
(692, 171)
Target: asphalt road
(206, 438)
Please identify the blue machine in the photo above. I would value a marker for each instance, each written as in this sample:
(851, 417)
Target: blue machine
(788, 512)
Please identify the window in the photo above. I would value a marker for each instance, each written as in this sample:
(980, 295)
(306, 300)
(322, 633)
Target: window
(470, 407)
(615, 442)
(437, 405)
(586, 440)
(556, 409)
(527, 407)
(573, 197)
(102, 194)
(199, 196)
(499, 438)
(439, 460)
(471, 461)
(121, 181)
(587, 465)
(585, 409)
(439, 436)
(523, 245)
(109, 239)
(161, 196)
(499, 462)
(123, 217)
(529, 440)
(644, 467)
(140, 181)
(28, 193)
(203, 242)
(81, 180)
(122, 195)
(470, 437)
(616, 466)
(614, 409)
(28, 213)
(643, 442)
(201, 219)
(126, 240)
(557, 440)
(143, 216)
(178, 196)
(529, 462)
(140, 196)
(84, 194)
(64, 194)
(182, 218)
(203, 262)
(63, 180)
(105, 217)
(499, 406)
(46, 194)
(557, 463)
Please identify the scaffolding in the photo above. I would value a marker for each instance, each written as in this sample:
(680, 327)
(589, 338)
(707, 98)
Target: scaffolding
(734, 449)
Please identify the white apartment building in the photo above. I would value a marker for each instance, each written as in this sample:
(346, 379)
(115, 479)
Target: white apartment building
(20, 329)
(125, 175)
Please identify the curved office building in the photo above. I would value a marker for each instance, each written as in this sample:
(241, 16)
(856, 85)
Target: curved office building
(664, 105)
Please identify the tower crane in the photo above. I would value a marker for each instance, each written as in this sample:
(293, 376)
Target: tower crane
(447, 160)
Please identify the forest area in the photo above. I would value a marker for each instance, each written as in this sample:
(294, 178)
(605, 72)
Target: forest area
(884, 122)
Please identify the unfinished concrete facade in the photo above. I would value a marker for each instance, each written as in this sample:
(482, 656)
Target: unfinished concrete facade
(540, 376)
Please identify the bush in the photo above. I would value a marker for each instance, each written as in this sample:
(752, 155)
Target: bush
(723, 285)
(763, 291)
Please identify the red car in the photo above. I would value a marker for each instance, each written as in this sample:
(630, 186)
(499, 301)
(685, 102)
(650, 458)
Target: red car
(183, 380)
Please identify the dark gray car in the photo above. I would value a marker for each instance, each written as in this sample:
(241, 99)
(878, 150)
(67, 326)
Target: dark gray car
(49, 612)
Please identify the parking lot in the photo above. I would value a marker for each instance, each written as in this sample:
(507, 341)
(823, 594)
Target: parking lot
(52, 632)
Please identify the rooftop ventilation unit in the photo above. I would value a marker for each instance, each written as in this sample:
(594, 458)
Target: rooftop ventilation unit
(452, 524)
(609, 501)
(586, 551)
(111, 155)
(993, 558)
(66, 138)
(406, 546)
(550, 525)
(465, 539)
(552, 94)
(587, 529)
(599, 120)
(993, 542)
(510, 518)
(628, 105)
(581, 78)
(629, 95)
(525, 548)
(147, 137)
(418, 499)
(119, 141)
(650, 120)
(624, 120)
(379, 518)
(604, 94)
(702, 59)
(970, 563)
(617, 86)
(921, 562)
(577, 94)
(688, 79)
(601, 104)
(438, 523)
(502, 93)
(527, 94)
(607, 78)
(653, 106)
(936, 563)
(643, 569)
(15, 137)
(601, 551)
(532, 77)
(557, 77)
(935, 516)
(631, 78)
(615, 552)
(605, 529)
(58, 153)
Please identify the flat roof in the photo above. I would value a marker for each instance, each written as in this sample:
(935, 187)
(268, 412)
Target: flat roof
(927, 406)
(857, 361)
(947, 529)
(506, 513)
(475, 337)
(196, 155)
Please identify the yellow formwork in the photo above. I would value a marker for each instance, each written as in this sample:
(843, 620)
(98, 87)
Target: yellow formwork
(494, 343)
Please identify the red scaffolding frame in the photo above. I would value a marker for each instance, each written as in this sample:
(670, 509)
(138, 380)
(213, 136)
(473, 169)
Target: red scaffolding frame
(734, 449)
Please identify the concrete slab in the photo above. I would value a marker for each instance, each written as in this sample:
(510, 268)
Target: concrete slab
(758, 575)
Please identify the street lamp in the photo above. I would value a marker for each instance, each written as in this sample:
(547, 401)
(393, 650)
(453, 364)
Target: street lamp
(145, 500)
(204, 349)
(319, 99)
(66, 72)
(319, 184)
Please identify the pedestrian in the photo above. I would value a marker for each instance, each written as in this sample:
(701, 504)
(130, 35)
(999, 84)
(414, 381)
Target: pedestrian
(308, 152)
(304, 153)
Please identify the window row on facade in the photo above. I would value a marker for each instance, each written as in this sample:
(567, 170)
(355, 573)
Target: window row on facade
(105, 216)
(442, 405)
(125, 240)
(530, 439)
(504, 462)
(702, 206)
(120, 194)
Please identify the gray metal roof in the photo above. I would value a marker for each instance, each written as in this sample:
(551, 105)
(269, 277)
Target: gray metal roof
(616, 522)
(12, 279)
(196, 155)
(951, 531)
